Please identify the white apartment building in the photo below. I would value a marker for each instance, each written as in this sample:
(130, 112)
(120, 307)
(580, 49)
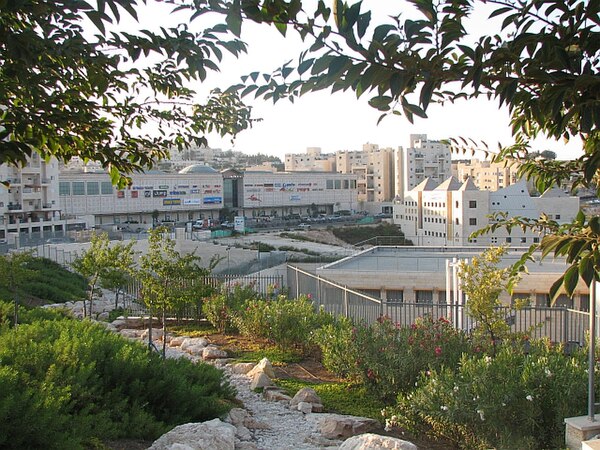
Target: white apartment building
(423, 159)
(200, 192)
(312, 161)
(486, 175)
(30, 203)
(374, 168)
(446, 214)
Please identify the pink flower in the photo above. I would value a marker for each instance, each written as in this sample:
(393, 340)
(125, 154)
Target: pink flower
(438, 351)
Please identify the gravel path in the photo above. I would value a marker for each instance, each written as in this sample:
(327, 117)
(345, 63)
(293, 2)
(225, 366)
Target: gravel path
(285, 429)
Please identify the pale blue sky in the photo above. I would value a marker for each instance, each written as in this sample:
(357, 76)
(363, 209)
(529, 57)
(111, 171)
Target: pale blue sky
(340, 121)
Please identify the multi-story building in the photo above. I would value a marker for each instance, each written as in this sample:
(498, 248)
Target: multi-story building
(312, 161)
(30, 202)
(447, 214)
(200, 192)
(486, 175)
(374, 168)
(423, 159)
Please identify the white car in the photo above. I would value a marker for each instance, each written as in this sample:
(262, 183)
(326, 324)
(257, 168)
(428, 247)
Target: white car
(304, 226)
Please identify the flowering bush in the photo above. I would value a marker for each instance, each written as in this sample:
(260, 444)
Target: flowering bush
(285, 322)
(511, 401)
(388, 358)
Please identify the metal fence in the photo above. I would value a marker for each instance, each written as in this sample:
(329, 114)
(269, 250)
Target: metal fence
(556, 323)
(263, 285)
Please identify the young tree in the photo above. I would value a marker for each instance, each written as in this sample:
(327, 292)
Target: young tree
(14, 274)
(539, 58)
(122, 98)
(169, 279)
(103, 263)
(482, 282)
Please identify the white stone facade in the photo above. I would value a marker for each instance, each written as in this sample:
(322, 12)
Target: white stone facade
(447, 214)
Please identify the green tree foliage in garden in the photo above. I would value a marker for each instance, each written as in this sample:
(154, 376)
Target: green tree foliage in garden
(103, 263)
(14, 274)
(69, 384)
(122, 98)
(539, 58)
(482, 281)
(169, 279)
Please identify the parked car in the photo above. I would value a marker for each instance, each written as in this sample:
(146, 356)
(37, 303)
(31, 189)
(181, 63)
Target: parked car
(304, 226)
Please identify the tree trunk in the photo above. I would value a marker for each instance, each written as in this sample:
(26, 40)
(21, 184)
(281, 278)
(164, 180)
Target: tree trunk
(150, 332)
(164, 324)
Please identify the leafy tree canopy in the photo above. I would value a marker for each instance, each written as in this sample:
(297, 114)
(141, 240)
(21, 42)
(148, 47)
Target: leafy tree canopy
(539, 58)
(121, 98)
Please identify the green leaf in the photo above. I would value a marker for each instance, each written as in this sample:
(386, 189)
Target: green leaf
(234, 18)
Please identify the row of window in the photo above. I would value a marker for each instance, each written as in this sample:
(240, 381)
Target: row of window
(340, 184)
(85, 188)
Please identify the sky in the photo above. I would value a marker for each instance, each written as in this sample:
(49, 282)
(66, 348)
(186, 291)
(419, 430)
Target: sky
(340, 121)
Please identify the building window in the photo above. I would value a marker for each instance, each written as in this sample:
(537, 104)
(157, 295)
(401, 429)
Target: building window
(523, 240)
(329, 184)
(557, 217)
(338, 184)
(64, 188)
(93, 188)
(457, 203)
(472, 221)
(78, 188)
(536, 240)
(472, 203)
(508, 240)
(106, 188)
(424, 296)
(456, 221)
(395, 296)
(494, 240)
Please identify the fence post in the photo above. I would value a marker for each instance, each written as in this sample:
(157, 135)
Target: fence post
(565, 326)
(346, 301)
(297, 283)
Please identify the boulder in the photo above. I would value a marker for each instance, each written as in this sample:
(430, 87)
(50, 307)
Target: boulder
(304, 407)
(131, 334)
(243, 433)
(275, 395)
(306, 395)
(263, 366)
(242, 368)
(260, 380)
(176, 341)
(213, 353)
(211, 435)
(336, 426)
(243, 445)
(237, 416)
(317, 407)
(371, 441)
(157, 334)
(190, 342)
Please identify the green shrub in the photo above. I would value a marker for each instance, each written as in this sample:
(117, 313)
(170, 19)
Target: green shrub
(354, 235)
(220, 310)
(510, 401)
(78, 382)
(339, 352)
(286, 323)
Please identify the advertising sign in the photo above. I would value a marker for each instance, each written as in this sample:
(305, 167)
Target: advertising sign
(239, 224)
(212, 200)
(192, 201)
(159, 193)
(171, 201)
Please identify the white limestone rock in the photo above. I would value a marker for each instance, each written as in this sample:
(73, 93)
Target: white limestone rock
(304, 407)
(190, 342)
(212, 352)
(242, 368)
(263, 366)
(177, 341)
(211, 435)
(260, 380)
(371, 441)
(307, 395)
(336, 426)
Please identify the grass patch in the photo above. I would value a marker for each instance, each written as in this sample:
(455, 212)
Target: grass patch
(199, 329)
(275, 355)
(341, 398)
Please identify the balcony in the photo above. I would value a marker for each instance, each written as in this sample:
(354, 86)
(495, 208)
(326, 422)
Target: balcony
(15, 207)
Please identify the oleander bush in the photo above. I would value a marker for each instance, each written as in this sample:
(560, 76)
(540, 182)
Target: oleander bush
(66, 383)
(514, 400)
(388, 358)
